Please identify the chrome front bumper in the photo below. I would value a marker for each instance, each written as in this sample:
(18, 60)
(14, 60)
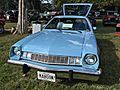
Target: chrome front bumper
(60, 69)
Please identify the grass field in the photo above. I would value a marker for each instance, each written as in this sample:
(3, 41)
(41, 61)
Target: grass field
(10, 25)
(11, 75)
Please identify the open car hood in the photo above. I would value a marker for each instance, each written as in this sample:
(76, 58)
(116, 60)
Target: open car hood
(79, 9)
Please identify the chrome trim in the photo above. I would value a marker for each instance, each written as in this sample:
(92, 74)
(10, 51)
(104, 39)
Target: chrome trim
(50, 59)
(81, 70)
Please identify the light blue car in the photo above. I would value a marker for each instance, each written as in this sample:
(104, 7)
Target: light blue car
(65, 48)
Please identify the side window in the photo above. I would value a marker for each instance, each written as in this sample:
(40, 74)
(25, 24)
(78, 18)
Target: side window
(80, 24)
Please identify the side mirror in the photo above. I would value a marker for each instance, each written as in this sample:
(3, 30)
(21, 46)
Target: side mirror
(94, 28)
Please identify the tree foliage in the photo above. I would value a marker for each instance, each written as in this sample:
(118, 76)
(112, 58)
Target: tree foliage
(101, 3)
(13, 4)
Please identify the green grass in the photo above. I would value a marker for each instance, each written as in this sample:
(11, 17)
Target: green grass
(10, 25)
(11, 75)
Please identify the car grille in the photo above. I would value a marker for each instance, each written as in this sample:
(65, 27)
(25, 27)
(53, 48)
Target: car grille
(50, 59)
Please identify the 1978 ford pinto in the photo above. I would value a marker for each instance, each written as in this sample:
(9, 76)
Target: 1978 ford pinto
(66, 48)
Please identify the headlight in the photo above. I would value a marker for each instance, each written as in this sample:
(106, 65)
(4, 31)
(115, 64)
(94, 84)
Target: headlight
(17, 51)
(90, 59)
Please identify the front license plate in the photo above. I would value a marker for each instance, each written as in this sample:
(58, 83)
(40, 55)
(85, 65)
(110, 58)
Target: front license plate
(46, 76)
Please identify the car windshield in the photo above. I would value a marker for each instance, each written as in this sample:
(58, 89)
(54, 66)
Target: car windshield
(68, 24)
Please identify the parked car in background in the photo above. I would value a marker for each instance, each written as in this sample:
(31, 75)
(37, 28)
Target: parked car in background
(117, 33)
(53, 13)
(118, 27)
(12, 15)
(111, 18)
(33, 16)
(47, 15)
(66, 44)
(102, 13)
(92, 18)
(97, 14)
(2, 22)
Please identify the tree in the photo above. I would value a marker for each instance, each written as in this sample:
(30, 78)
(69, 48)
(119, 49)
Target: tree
(22, 19)
(22, 16)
